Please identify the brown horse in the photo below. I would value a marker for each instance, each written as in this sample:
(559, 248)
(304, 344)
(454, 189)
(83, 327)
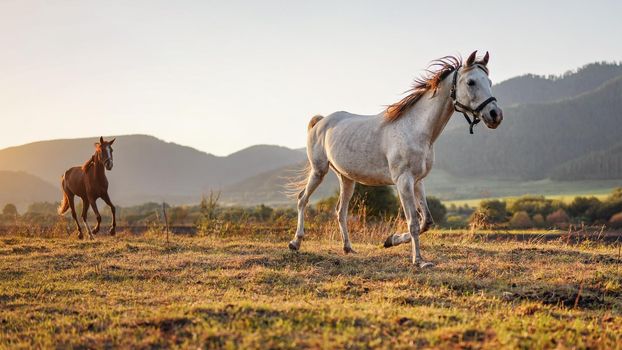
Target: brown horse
(89, 183)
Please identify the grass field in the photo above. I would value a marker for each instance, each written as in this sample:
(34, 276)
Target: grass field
(241, 292)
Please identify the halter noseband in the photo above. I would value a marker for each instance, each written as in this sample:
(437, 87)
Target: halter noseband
(464, 108)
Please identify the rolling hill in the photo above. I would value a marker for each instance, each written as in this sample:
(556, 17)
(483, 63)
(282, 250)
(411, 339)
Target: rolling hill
(600, 165)
(556, 130)
(536, 138)
(147, 168)
(530, 88)
(22, 189)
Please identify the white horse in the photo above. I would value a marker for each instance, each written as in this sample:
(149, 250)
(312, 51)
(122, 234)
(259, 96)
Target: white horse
(396, 147)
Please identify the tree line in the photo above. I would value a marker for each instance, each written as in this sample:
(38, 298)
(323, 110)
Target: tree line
(368, 204)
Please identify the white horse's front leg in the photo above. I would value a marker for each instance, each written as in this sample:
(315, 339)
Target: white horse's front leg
(425, 219)
(406, 188)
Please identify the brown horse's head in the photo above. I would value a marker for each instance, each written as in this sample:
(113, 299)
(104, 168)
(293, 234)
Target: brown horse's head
(103, 150)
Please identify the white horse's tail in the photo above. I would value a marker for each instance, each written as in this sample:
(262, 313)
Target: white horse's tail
(298, 182)
(313, 121)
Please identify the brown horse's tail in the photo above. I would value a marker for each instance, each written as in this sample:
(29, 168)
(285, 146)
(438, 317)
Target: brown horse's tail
(297, 183)
(64, 204)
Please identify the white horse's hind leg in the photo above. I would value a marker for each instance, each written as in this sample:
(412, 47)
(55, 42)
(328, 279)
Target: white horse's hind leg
(425, 216)
(345, 194)
(406, 188)
(315, 178)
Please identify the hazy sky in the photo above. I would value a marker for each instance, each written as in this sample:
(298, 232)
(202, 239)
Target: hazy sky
(223, 75)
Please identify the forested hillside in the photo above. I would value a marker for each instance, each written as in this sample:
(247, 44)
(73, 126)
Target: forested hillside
(535, 138)
(532, 88)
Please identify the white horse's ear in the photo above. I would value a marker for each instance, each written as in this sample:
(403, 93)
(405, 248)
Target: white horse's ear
(112, 141)
(486, 58)
(101, 139)
(471, 58)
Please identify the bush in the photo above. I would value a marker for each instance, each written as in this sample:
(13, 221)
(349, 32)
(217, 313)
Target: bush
(521, 220)
(491, 211)
(10, 210)
(43, 208)
(538, 220)
(558, 217)
(609, 208)
(534, 205)
(584, 208)
(616, 220)
(327, 204)
(376, 201)
(437, 209)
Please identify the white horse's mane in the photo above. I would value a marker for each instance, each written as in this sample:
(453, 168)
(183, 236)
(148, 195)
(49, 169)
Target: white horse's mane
(436, 72)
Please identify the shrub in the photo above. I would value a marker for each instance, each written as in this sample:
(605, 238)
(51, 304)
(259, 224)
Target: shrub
(10, 210)
(327, 204)
(616, 220)
(584, 208)
(538, 220)
(521, 220)
(608, 208)
(491, 211)
(437, 209)
(558, 217)
(376, 201)
(534, 205)
(479, 220)
(43, 208)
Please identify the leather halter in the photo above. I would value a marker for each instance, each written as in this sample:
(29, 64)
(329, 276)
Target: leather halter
(459, 107)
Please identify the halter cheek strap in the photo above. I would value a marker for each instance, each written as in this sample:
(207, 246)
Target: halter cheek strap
(459, 107)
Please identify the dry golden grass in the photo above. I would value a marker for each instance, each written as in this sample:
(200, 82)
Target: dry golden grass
(251, 292)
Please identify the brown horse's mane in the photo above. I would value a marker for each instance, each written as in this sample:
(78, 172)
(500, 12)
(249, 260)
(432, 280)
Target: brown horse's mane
(88, 163)
(430, 81)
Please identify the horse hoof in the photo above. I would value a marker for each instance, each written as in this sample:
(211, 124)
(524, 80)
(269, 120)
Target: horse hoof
(292, 246)
(80, 236)
(388, 243)
(112, 231)
(349, 250)
(425, 264)
(95, 231)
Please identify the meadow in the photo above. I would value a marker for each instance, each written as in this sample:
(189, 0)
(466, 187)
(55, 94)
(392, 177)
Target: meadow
(246, 290)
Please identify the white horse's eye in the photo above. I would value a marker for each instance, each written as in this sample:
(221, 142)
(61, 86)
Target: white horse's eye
(471, 82)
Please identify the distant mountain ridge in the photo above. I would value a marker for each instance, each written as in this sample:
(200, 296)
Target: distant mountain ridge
(535, 138)
(562, 128)
(22, 189)
(531, 88)
(146, 168)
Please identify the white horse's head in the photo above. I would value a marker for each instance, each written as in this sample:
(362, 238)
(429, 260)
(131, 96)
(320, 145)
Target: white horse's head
(473, 93)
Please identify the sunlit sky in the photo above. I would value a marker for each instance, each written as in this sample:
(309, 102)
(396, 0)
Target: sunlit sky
(224, 75)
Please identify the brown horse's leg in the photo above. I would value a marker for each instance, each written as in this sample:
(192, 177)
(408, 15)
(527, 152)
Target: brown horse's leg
(106, 199)
(85, 209)
(93, 203)
(72, 206)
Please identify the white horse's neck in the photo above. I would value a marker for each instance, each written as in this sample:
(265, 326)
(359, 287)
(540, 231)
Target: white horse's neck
(431, 114)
